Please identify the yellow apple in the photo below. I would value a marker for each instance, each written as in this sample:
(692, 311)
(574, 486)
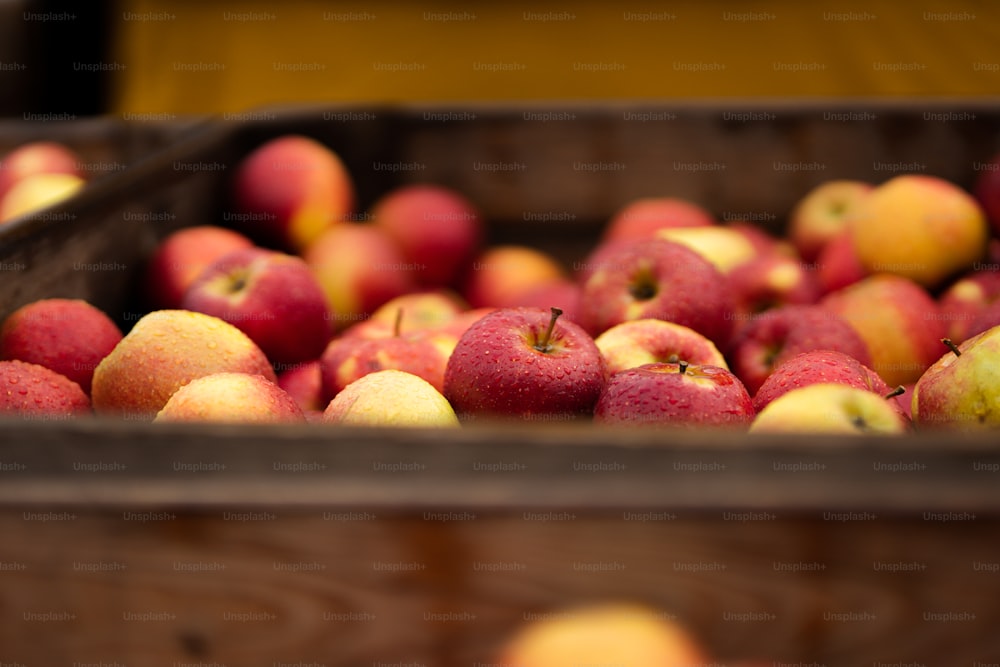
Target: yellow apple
(920, 227)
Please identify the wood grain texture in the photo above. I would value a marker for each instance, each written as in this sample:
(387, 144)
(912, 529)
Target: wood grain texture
(234, 586)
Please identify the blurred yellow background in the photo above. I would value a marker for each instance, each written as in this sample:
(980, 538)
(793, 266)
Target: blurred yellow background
(194, 57)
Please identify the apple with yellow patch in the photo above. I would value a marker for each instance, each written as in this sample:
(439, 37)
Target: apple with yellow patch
(920, 227)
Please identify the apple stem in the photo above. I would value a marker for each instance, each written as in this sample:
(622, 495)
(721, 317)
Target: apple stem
(683, 366)
(951, 346)
(398, 324)
(898, 391)
(543, 344)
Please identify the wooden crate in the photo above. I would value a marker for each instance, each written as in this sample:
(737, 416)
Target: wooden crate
(186, 545)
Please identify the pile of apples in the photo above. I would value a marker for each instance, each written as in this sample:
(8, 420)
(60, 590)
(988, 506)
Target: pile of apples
(38, 174)
(877, 312)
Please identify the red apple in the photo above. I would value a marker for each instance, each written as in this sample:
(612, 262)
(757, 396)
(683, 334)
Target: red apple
(675, 395)
(428, 309)
(438, 230)
(31, 391)
(661, 280)
(181, 256)
(838, 264)
(69, 336)
(966, 303)
(818, 367)
(524, 363)
(987, 189)
(772, 280)
(501, 275)
(359, 268)
(641, 218)
(421, 353)
(898, 320)
(562, 293)
(289, 190)
(304, 383)
(231, 398)
(37, 157)
(776, 335)
(640, 342)
(272, 297)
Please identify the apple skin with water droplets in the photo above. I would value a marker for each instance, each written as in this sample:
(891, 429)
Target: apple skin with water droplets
(677, 395)
(496, 372)
(165, 350)
(31, 391)
(70, 336)
(816, 367)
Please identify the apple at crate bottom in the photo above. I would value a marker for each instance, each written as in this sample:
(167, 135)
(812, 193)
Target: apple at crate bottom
(69, 336)
(30, 391)
(675, 395)
(390, 398)
(623, 634)
(961, 390)
(231, 398)
(831, 408)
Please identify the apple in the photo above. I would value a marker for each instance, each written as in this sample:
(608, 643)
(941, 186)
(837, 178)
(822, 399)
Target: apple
(818, 367)
(831, 408)
(501, 274)
(231, 398)
(272, 297)
(898, 320)
(289, 190)
(838, 264)
(438, 230)
(36, 192)
(304, 383)
(724, 246)
(960, 390)
(37, 157)
(778, 334)
(563, 293)
(641, 218)
(623, 634)
(181, 256)
(524, 363)
(423, 353)
(461, 322)
(421, 310)
(967, 305)
(823, 214)
(920, 227)
(772, 280)
(390, 398)
(165, 350)
(986, 189)
(30, 391)
(647, 341)
(661, 280)
(69, 336)
(675, 395)
(359, 268)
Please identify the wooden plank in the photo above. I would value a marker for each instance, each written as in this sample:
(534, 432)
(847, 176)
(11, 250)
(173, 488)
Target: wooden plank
(446, 589)
(108, 463)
